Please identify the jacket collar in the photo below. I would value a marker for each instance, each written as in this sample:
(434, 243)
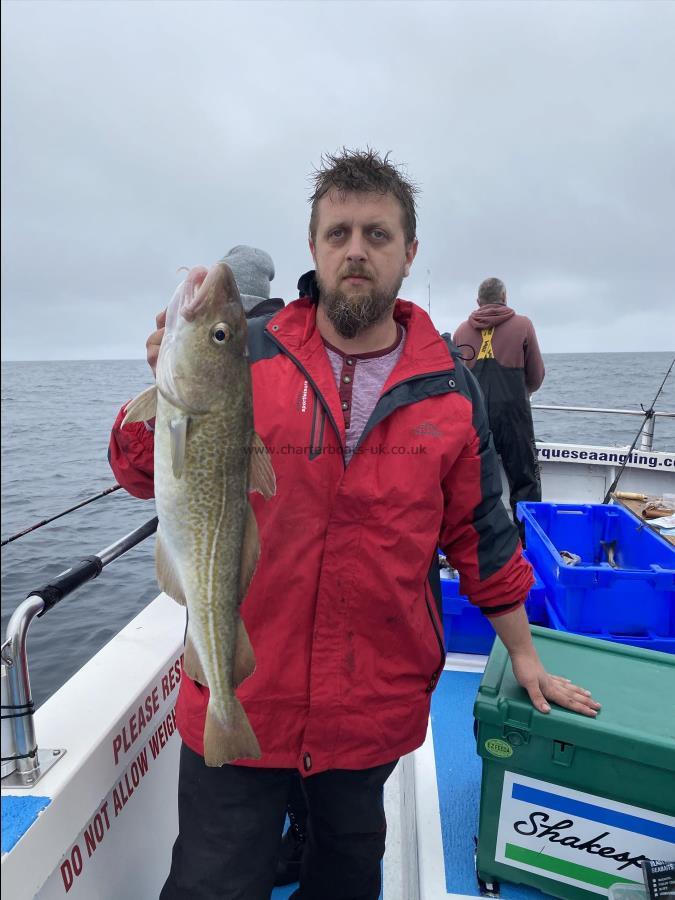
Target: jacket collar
(265, 308)
(424, 353)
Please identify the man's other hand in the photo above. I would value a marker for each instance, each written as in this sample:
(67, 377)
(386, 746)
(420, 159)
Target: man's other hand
(542, 687)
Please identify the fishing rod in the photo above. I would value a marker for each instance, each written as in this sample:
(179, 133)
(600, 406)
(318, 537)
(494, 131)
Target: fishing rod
(649, 414)
(37, 525)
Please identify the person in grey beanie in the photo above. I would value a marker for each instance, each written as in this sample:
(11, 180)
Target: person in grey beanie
(253, 270)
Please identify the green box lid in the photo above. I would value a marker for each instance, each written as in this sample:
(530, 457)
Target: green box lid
(636, 688)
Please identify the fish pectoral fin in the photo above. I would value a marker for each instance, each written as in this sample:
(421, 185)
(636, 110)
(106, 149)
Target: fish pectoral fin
(178, 429)
(261, 473)
(192, 665)
(168, 578)
(142, 408)
(244, 658)
(250, 552)
(229, 740)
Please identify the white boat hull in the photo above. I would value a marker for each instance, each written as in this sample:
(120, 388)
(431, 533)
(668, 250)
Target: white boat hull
(108, 831)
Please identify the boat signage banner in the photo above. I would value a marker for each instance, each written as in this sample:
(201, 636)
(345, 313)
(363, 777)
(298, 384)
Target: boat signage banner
(577, 838)
(607, 456)
(138, 775)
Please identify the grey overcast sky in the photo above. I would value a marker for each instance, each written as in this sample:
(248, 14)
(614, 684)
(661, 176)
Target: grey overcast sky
(141, 136)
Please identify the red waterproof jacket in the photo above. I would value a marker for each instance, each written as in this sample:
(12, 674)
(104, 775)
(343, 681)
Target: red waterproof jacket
(347, 635)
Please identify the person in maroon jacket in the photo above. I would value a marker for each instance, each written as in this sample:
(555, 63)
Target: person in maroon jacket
(382, 451)
(505, 358)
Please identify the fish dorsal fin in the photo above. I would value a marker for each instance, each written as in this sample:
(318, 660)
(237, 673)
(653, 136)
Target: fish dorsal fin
(168, 578)
(261, 474)
(143, 407)
(178, 429)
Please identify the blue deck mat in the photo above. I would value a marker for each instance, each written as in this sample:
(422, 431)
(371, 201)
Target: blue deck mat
(282, 893)
(458, 773)
(18, 814)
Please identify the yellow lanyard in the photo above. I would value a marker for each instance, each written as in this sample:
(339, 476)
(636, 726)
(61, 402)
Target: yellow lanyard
(486, 351)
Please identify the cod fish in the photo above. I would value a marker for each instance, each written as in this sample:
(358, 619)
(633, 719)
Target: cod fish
(207, 458)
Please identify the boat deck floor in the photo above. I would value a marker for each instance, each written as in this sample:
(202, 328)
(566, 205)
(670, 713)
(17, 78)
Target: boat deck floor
(458, 778)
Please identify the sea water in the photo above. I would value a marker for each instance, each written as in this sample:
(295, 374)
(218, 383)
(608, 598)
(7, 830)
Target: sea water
(56, 420)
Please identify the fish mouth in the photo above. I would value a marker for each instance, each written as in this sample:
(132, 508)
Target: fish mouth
(209, 288)
(189, 290)
(204, 293)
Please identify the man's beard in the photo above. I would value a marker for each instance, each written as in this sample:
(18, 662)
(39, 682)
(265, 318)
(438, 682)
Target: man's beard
(352, 314)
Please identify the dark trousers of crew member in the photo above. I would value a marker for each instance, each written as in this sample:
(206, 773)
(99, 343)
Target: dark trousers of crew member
(231, 822)
(513, 434)
(510, 416)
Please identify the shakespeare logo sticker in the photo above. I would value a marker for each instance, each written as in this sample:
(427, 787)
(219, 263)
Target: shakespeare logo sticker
(577, 838)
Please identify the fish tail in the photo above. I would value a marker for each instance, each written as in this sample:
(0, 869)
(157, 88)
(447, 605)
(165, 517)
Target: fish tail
(229, 740)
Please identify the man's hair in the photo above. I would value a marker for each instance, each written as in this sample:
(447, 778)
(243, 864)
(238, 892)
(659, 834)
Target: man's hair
(361, 172)
(492, 290)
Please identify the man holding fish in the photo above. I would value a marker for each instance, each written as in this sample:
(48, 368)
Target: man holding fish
(314, 639)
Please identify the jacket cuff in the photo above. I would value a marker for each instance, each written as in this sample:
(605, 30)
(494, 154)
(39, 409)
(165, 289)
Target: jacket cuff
(493, 612)
(131, 456)
(506, 589)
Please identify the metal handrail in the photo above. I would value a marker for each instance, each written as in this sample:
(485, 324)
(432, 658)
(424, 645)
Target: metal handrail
(596, 409)
(14, 655)
(647, 433)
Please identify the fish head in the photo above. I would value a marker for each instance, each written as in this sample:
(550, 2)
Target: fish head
(204, 340)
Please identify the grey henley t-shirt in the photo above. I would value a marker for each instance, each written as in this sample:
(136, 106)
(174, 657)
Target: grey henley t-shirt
(360, 378)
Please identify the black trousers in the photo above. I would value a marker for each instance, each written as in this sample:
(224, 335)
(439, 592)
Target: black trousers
(297, 804)
(230, 823)
(514, 441)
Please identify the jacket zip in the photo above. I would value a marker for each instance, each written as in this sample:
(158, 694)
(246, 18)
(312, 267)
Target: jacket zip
(434, 678)
(315, 448)
(315, 388)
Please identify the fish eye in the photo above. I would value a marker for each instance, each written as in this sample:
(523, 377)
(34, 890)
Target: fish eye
(220, 333)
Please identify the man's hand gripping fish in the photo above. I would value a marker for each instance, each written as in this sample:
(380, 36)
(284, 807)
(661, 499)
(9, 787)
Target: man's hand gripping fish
(207, 458)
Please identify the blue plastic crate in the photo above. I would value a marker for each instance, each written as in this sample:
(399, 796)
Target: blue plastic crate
(635, 600)
(466, 629)
(535, 605)
(648, 641)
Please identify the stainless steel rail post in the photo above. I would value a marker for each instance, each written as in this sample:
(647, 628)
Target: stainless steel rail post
(647, 435)
(16, 662)
(32, 763)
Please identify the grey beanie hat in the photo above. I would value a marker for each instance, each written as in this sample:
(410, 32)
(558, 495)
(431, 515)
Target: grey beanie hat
(253, 270)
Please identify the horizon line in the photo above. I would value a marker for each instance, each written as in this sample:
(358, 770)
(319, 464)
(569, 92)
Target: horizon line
(142, 358)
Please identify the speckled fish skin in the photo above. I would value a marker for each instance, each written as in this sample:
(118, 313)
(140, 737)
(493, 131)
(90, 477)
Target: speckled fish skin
(204, 394)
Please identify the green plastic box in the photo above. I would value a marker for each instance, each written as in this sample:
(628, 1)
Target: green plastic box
(570, 804)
